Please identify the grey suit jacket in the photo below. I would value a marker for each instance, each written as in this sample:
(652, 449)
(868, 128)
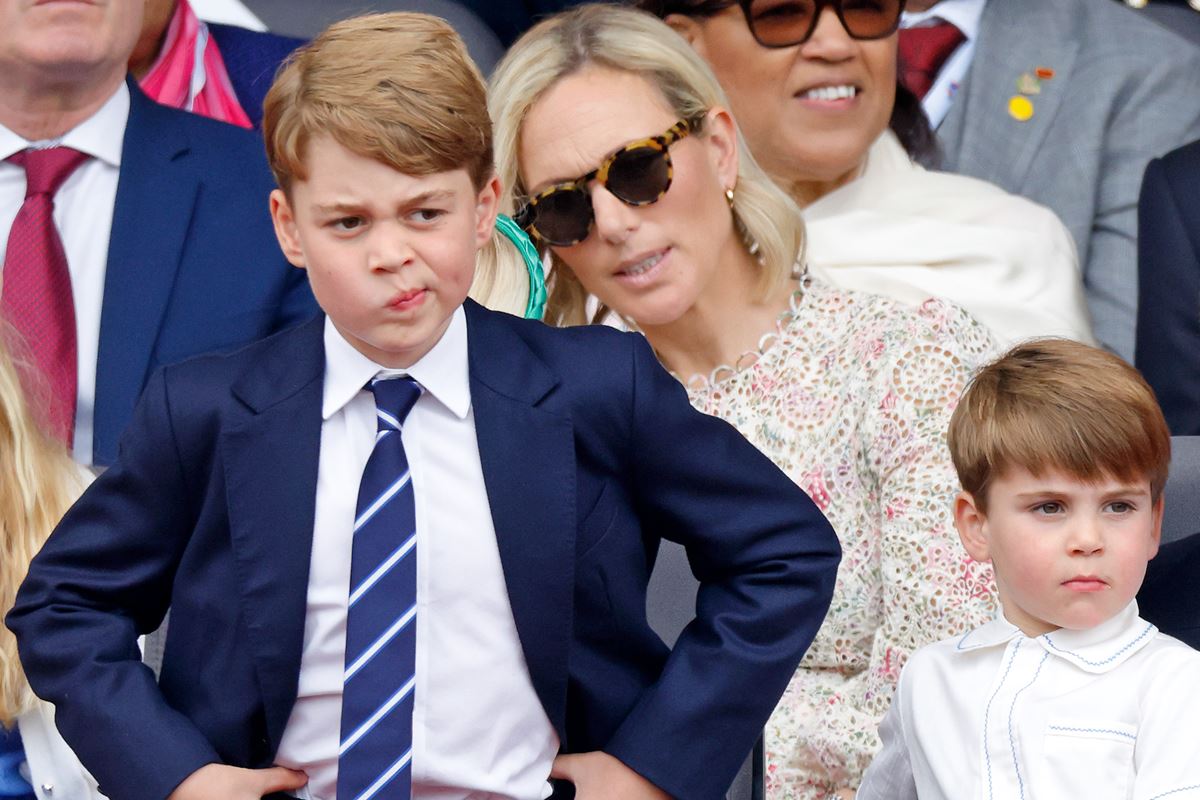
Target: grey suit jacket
(1125, 90)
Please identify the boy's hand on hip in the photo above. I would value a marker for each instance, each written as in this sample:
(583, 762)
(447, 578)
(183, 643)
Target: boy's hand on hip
(599, 776)
(221, 782)
(846, 794)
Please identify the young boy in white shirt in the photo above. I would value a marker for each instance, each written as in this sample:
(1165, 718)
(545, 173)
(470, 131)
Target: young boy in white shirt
(1062, 452)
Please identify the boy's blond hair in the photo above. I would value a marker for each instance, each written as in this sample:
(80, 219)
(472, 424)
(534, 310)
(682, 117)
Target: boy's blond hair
(1055, 404)
(396, 88)
(401, 89)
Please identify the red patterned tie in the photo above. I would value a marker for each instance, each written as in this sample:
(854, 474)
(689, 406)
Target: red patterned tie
(36, 298)
(923, 51)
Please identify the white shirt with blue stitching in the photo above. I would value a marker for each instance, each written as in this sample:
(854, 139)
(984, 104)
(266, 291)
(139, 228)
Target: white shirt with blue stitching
(1107, 713)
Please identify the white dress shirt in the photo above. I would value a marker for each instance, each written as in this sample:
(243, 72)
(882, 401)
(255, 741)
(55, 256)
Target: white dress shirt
(964, 14)
(54, 769)
(227, 12)
(1107, 713)
(479, 730)
(83, 212)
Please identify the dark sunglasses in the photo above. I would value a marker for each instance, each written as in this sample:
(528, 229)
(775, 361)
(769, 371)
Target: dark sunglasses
(638, 174)
(783, 23)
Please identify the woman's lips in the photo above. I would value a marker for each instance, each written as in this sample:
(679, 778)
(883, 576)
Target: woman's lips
(830, 96)
(644, 269)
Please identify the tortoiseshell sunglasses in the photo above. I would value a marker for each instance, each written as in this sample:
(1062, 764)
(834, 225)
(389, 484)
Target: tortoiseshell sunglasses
(638, 174)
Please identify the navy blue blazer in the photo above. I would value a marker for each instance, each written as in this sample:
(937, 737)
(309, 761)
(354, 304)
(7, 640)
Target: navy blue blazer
(193, 263)
(1168, 596)
(1168, 320)
(251, 59)
(591, 454)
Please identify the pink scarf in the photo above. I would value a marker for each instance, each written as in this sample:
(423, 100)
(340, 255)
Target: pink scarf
(190, 73)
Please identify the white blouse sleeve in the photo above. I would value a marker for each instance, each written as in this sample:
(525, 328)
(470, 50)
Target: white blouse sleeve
(890, 775)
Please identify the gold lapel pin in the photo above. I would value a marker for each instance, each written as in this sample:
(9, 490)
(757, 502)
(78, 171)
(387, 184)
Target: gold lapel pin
(1020, 108)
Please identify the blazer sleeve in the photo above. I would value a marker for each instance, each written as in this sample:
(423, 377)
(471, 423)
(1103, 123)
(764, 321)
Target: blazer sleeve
(103, 578)
(1159, 111)
(1168, 321)
(766, 560)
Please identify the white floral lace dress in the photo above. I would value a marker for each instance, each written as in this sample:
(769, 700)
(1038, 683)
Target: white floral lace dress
(852, 398)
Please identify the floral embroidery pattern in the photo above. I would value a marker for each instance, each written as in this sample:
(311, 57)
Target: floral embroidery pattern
(852, 399)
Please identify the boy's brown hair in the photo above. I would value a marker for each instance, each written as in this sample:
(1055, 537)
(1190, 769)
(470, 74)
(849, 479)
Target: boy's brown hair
(398, 88)
(1057, 404)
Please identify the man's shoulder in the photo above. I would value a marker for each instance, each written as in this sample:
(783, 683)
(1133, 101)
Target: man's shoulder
(1101, 30)
(1105, 30)
(294, 350)
(561, 345)
(238, 44)
(594, 367)
(225, 149)
(1182, 165)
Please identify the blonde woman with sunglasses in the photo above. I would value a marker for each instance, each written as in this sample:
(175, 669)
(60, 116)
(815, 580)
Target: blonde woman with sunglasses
(626, 166)
(38, 483)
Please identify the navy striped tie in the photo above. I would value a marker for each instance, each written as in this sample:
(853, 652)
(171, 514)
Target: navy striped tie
(375, 755)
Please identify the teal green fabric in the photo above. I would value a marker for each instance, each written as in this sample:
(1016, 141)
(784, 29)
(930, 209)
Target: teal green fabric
(536, 306)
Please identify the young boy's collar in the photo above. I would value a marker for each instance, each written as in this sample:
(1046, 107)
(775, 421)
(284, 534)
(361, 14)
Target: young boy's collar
(443, 371)
(1097, 650)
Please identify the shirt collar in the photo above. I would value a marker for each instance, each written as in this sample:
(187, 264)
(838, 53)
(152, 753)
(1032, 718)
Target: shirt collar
(1105, 646)
(964, 14)
(443, 372)
(997, 632)
(1097, 649)
(101, 136)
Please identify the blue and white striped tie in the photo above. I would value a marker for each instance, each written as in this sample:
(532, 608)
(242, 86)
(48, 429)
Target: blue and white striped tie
(375, 756)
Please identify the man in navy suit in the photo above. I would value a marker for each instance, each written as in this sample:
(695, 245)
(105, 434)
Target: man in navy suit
(539, 469)
(1168, 329)
(164, 227)
(1065, 103)
(1168, 596)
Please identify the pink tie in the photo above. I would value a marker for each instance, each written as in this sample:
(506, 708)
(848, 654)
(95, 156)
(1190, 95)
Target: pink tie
(36, 298)
(923, 51)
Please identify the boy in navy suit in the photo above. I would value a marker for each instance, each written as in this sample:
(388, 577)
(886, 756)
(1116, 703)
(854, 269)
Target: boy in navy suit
(406, 546)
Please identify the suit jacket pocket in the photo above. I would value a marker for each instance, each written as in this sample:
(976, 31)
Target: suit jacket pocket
(1088, 758)
(598, 523)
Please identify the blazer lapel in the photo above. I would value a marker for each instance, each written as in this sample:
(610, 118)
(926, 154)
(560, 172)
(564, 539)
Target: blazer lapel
(156, 194)
(980, 136)
(528, 458)
(271, 463)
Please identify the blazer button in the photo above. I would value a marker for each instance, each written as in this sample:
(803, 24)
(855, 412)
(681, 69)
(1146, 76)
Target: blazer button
(48, 788)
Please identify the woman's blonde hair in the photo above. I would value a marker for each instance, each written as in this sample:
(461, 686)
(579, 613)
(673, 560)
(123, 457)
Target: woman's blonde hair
(401, 89)
(38, 483)
(628, 40)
